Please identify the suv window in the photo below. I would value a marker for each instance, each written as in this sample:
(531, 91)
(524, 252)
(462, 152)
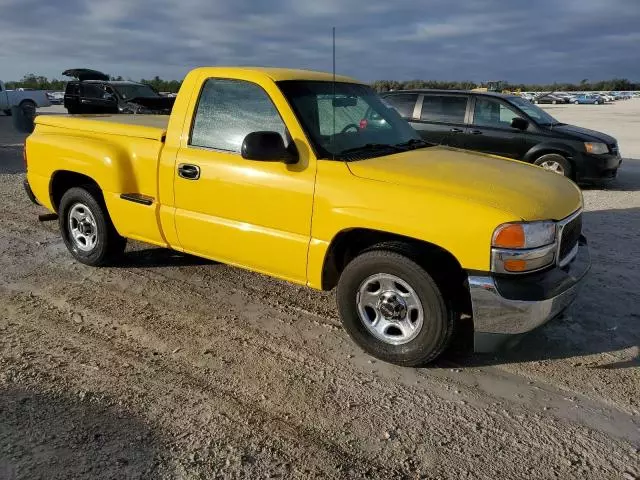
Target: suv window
(444, 108)
(92, 90)
(404, 103)
(229, 110)
(492, 113)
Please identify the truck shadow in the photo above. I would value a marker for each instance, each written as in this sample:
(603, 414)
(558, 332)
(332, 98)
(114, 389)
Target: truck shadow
(140, 257)
(605, 316)
(53, 436)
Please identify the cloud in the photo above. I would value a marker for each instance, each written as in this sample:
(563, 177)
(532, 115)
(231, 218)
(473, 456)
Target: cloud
(515, 40)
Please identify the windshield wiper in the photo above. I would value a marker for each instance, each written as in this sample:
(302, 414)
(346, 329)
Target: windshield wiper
(368, 147)
(414, 143)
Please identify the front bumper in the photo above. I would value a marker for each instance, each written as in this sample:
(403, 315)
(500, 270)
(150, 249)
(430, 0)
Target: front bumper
(505, 308)
(598, 167)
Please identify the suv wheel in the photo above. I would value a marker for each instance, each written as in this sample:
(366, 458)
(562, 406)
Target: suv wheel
(555, 163)
(86, 228)
(393, 309)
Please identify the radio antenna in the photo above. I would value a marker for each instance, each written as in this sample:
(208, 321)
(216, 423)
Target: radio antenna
(333, 99)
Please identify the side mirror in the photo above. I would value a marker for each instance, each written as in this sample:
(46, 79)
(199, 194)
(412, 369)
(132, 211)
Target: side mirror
(519, 123)
(267, 147)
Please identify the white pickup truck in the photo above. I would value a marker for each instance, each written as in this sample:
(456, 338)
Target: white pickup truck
(27, 100)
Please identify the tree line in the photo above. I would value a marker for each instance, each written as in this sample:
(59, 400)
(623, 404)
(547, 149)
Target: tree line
(615, 84)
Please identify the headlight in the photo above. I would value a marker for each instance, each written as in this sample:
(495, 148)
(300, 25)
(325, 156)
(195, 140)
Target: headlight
(596, 148)
(523, 247)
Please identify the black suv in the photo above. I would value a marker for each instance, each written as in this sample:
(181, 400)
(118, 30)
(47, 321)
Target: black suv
(94, 92)
(509, 126)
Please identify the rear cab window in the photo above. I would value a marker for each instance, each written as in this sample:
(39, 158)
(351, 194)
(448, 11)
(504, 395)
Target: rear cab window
(228, 110)
(444, 108)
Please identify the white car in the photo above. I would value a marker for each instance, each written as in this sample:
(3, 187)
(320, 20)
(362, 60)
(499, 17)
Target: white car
(27, 100)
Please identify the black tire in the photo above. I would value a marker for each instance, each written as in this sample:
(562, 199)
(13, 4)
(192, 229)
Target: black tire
(28, 108)
(7, 112)
(109, 245)
(435, 333)
(567, 169)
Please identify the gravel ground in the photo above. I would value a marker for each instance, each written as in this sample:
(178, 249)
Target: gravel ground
(174, 367)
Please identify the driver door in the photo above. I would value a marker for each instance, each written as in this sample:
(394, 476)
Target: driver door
(249, 213)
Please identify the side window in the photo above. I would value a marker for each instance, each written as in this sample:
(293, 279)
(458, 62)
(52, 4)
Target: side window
(492, 113)
(404, 103)
(348, 115)
(92, 90)
(229, 110)
(444, 108)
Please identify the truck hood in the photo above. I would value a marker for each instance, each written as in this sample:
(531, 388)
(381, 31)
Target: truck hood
(526, 191)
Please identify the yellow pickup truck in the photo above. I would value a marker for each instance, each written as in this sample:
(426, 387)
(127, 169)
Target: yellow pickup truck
(318, 182)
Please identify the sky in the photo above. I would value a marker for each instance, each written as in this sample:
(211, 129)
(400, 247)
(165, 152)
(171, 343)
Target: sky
(539, 41)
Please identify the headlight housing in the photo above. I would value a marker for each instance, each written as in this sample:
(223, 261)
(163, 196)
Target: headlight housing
(523, 247)
(596, 148)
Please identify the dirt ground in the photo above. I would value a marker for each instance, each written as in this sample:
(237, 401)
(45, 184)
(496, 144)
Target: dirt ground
(169, 366)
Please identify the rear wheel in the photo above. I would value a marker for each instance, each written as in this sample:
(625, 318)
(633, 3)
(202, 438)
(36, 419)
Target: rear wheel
(393, 309)
(554, 102)
(555, 163)
(28, 108)
(576, 102)
(7, 112)
(86, 228)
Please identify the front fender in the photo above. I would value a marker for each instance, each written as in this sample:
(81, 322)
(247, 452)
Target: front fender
(343, 202)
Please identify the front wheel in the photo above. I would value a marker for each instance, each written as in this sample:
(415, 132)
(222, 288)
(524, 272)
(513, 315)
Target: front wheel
(86, 228)
(7, 113)
(393, 309)
(555, 163)
(576, 102)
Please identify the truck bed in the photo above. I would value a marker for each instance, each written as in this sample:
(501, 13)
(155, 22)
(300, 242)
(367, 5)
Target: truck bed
(153, 127)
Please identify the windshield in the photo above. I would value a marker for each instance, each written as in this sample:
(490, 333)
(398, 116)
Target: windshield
(540, 116)
(127, 92)
(363, 126)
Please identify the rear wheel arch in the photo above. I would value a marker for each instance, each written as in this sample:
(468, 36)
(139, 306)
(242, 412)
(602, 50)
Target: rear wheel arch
(63, 180)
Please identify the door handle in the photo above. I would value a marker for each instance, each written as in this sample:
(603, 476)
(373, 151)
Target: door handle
(476, 132)
(188, 171)
(456, 130)
(84, 101)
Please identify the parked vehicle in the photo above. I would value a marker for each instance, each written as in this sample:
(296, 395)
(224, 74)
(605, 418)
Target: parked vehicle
(278, 171)
(94, 92)
(550, 99)
(56, 98)
(27, 100)
(508, 126)
(587, 99)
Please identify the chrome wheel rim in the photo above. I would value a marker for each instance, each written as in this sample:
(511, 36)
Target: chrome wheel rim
(390, 309)
(552, 166)
(83, 228)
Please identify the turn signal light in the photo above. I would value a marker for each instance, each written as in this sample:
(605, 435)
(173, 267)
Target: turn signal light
(515, 265)
(509, 236)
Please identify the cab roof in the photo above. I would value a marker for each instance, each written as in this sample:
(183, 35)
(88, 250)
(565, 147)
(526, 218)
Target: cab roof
(277, 74)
